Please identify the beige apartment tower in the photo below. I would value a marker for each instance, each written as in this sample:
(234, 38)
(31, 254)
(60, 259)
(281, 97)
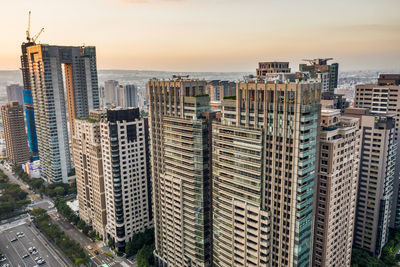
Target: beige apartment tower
(127, 175)
(377, 168)
(264, 153)
(336, 188)
(14, 133)
(87, 158)
(180, 141)
(384, 98)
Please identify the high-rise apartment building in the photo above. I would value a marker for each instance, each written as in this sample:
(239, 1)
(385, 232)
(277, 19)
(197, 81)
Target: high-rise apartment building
(180, 124)
(28, 101)
(263, 174)
(109, 92)
(127, 174)
(336, 188)
(51, 69)
(375, 191)
(88, 162)
(384, 98)
(126, 96)
(15, 93)
(319, 68)
(14, 133)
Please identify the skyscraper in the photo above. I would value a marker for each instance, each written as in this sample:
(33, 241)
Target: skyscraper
(180, 124)
(14, 133)
(15, 93)
(127, 174)
(263, 174)
(88, 162)
(126, 96)
(384, 98)
(28, 100)
(336, 185)
(51, 68)
(109, 92)
(319, 68)
(375, 192)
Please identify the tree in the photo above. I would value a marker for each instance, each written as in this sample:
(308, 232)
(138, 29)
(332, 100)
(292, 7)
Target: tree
(59, 190)
(145, 256)
(111, 242)
(129, 249)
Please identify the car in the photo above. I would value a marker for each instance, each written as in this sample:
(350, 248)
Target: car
(40, 262)
(5, 265)
(25, 256)
(89, 247)
(3, 259)
(96, 252)
(14, 239)
(31, 249)
(35, 252)
(20, 235)
(38, 258)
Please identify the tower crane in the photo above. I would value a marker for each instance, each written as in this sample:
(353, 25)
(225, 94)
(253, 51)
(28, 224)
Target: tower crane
(28, 31)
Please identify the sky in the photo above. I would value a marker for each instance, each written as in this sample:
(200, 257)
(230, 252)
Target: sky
(210, 35)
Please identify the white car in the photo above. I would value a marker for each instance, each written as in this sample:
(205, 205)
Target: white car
(20, 234)
(89, 247)
(3, 259)
(35, 252)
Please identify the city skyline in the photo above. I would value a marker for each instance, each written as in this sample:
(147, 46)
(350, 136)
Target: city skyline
(222, 35)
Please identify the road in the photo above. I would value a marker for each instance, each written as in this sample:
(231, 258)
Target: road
(33, 238)
(47, 204)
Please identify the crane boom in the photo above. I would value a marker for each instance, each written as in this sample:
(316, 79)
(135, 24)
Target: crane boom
(34, 38)
(28, 31)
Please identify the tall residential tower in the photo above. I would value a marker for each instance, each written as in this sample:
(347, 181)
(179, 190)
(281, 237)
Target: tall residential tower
(180, 124)
(263, 174)
(51, 69)
(127, 174)
(14, 133)
(336, 185)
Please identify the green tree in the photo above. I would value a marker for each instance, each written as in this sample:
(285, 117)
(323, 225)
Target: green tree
(111, 242)
(145, 256)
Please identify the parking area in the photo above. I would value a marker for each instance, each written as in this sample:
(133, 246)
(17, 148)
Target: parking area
(14, 251)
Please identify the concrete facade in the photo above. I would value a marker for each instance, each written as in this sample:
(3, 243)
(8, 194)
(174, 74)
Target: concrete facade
(336, 188)
(14, 133)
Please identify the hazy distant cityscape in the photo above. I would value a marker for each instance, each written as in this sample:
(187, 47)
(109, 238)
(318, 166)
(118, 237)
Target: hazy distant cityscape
(346, 83)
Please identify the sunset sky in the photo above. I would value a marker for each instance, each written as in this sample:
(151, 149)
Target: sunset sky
(210, 35)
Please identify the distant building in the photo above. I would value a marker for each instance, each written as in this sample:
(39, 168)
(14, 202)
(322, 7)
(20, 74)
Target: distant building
(384, 98)
(330, 100)
(272, 67)
(49, 67)
(336, 188)
(127, 174)
(14, 133)
(88, 161)
(126, 96)
(109, 92)
(33, 169)
(319, 68)
(15, 93)
(218, 89)
(376, 175)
